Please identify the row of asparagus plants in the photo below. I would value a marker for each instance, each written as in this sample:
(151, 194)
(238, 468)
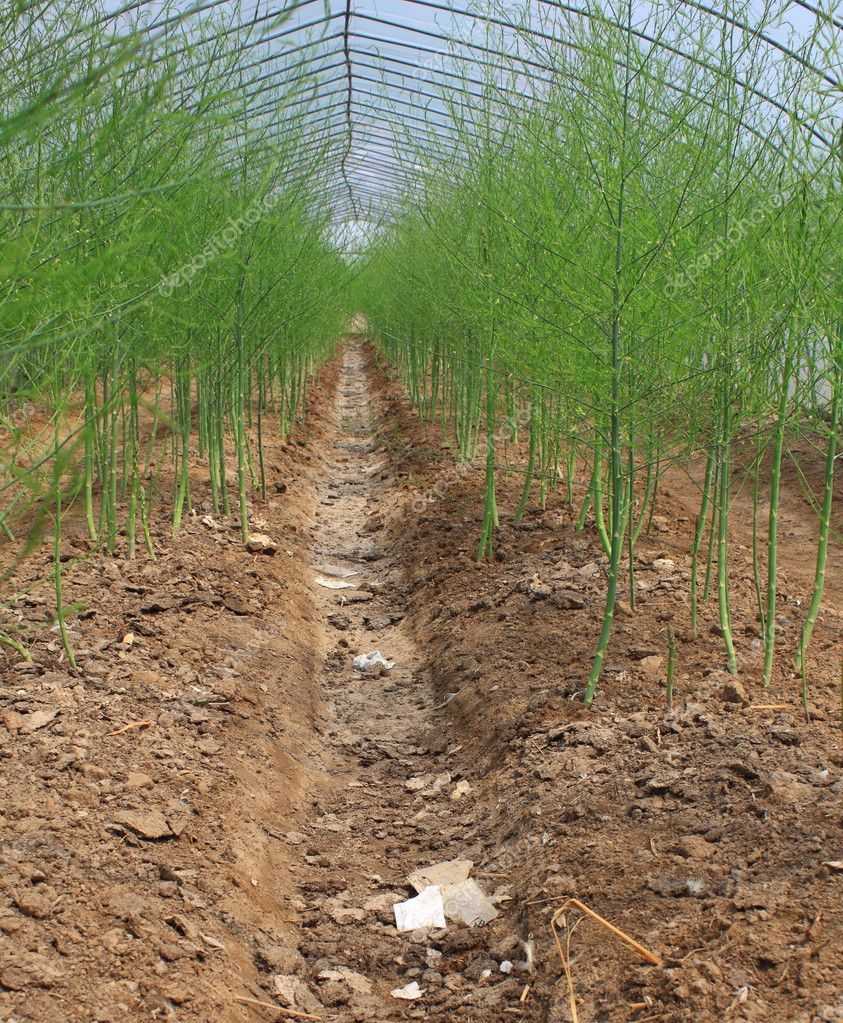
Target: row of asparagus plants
(638, 267)
(167, 282)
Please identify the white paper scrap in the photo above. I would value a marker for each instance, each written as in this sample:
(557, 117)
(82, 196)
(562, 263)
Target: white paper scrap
(365, 662)
(467, 903)
(446, 872)
(409, 992)
(425, 910)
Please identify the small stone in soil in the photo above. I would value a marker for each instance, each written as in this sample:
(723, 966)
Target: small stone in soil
(733, 692)
(150, 824)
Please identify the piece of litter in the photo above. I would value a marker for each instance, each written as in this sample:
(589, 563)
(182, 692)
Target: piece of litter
(333, 584)
(485, 974)
(444, 873)
(365, 662)
(409, 992)
(833, 864)
(466, 903)
(425, 910)
(462, 788)
(446, 701)
(506, 966)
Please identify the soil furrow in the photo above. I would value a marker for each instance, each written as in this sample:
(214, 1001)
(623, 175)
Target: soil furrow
(392, 806)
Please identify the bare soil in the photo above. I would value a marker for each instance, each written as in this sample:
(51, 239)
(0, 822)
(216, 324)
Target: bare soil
(248, 835)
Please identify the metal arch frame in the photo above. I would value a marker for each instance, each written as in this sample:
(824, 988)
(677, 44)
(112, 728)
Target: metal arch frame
(381, 67)
(369, 192)
(372, 179)
(291, 82)
(379, 162)
(557, 5)
(270, 104)
(337, 191)
(491, 19)
(382, 112)
(152, 31)
(313, 143)
(384, 58)
(310, 45)
(375, 208)
(544, 67)
(382, 160)
(244, 27)
(367, 133)
(324, 113)
(370, 136)
(386, 171)
(464, 50)
(313, 129)
(349, 124)
(421, 92)
(819, 14)
(643, 36)
(307, 63)
(383, 149)
(329, 54)
(438, 71)
(201, 8)
(428, 122)
(525, 63)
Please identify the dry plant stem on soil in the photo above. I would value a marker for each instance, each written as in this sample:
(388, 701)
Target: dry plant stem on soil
(566, 966)
(277, 1009)
(132, 724)
(564, 954)
(645, 953)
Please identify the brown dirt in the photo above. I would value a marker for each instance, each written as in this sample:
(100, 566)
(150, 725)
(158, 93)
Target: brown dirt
(252, 840)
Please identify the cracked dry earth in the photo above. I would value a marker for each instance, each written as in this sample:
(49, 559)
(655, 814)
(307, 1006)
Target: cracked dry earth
(391, 805)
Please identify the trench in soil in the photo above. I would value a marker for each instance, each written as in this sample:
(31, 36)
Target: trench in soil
(391, 806)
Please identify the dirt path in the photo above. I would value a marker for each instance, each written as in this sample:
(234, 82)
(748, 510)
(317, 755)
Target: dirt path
(389, 809)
